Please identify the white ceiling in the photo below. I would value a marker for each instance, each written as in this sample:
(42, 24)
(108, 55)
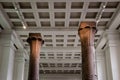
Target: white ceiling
(58, 22)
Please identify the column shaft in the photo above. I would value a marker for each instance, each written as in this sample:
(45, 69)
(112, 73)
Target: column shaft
(35, 42)
(86, 33)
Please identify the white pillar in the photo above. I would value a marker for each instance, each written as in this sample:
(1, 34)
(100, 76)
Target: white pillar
(26, 70)
(112, 54)
(19, 64)
(101, 67)
(7, 53)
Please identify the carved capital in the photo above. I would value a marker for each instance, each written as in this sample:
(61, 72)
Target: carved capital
(87, 25)
(35, 36)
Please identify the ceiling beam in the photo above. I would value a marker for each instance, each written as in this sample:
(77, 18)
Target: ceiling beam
(60, 61)
(101, 41)
(44, 30)
(60, 75)
(60, 49)
(113, 24)
(60, 68)
(56, 50)
(4, 20)
(58, 0)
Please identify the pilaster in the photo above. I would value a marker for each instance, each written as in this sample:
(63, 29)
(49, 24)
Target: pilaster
(112, 55)
(7, 53)
(19, 64)
(26, 69)
(101, 65)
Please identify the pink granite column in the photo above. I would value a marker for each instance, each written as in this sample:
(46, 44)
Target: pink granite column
(35, 41)
(86, 32)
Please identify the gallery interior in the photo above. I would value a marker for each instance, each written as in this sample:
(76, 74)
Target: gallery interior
(59, 39)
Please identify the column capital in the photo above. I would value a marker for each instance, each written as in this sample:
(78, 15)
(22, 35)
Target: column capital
(35, 36)
(7, 39)
(6, 36)
(10, 35)
(87, 25)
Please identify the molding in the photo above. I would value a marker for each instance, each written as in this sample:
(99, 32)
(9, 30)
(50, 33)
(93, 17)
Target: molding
(112, 36)
(8, 36)
(12, 35)
(6, 39)
(101, 41)
(109, 31)
(20, 53)
(100, 55)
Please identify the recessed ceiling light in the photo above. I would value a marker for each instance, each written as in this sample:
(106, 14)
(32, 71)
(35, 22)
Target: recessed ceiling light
(24, 27)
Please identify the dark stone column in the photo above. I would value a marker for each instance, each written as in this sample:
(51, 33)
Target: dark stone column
(35, 41)
(86, 32)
